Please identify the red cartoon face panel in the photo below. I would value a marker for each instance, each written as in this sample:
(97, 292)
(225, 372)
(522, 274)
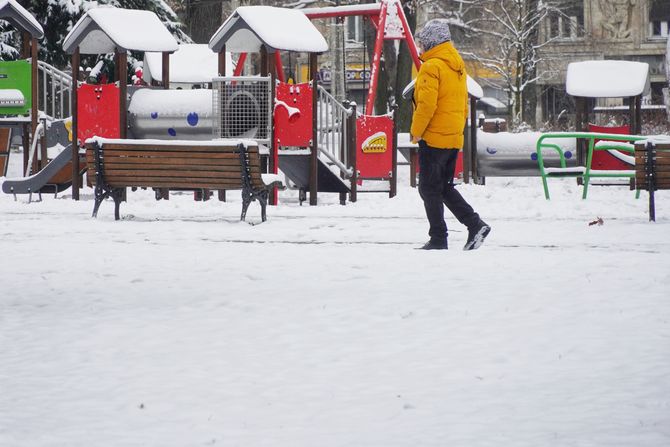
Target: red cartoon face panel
(98, 111)
(374, 143)
(293, 114)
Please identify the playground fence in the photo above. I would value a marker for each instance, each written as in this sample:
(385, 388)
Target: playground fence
(333, 132)
(55, 97)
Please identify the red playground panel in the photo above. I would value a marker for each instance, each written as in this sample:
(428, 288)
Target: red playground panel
(374, 143)
(293, 115)
(98, 111)
(458, 172)
(603, 160)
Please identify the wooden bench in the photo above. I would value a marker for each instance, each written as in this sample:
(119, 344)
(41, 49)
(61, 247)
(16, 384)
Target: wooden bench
(652, 169)
(114, 165)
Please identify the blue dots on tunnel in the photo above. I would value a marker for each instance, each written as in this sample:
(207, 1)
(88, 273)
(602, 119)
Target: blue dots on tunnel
(192, 119)
(154, 115)
(172, 132)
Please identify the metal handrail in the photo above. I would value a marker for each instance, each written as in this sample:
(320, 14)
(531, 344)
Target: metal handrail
(608, 142)
(333, 131)
(56, 94)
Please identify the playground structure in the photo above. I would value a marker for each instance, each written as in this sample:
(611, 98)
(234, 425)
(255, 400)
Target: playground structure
(600, 152)
(328, 131)
(321, 145)
(18, 82)
(578, 154)
(318, 143)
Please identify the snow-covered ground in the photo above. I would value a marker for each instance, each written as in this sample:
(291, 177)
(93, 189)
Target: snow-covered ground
(180, 326)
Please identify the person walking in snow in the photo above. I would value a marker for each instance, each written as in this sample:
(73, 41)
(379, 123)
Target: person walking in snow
(440, 99)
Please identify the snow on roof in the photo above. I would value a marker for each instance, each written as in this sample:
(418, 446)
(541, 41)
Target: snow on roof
(493, 102)
(249, 27)
(103, 30)
(474, 88)
(190, 64)
(19, 17)
(607, 79)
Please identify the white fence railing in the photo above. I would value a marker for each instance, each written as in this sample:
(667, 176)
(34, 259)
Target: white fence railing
(333, 130)
(55, 97)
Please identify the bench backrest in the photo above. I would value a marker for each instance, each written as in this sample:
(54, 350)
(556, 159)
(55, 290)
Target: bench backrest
(173, 166)
(660, 164)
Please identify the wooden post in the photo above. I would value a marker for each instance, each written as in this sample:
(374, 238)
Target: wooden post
(122, 64)
(165, 76)
(75, 142)
(394, 156)
(166, 70)
(25, 54)
(264, 61)
(274, 155)
(314, 156)
(353, 152)
(222, 61)
(34, 112)
(636, 115)
(413, 163)
(581, 116)
(221, 193)
(470, 163)
(25, 127)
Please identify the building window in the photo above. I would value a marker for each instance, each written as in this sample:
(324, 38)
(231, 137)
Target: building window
(659, 18)
(355, 34)
(569, 24)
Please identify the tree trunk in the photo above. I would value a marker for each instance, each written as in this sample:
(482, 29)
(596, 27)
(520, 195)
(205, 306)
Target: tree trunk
(404, 76)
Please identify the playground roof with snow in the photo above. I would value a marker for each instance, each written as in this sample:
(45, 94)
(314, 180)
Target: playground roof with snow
(20, 18)
(607, 79)
(250, 27)
(106, 30)
(190, 64)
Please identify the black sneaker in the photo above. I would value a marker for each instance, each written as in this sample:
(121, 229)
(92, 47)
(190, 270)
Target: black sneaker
(476, 236)
(435, 245)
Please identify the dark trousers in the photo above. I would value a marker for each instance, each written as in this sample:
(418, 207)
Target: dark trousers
(436, 187)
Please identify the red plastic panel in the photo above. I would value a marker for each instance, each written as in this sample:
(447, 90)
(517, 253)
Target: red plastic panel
(603, 160)
(293, 114)
(98, 111)
(374, 143)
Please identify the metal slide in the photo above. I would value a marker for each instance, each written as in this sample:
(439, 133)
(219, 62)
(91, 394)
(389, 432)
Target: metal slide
(40, 180)
(296, 168)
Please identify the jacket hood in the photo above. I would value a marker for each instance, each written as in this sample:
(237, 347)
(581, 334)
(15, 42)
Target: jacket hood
(448, 54)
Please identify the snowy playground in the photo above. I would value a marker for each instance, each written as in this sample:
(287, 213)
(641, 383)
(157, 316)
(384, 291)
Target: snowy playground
(181, 324)
(324, 326)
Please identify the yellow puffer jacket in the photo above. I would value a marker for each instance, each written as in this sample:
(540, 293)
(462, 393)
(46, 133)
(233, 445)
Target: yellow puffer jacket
(441, 97)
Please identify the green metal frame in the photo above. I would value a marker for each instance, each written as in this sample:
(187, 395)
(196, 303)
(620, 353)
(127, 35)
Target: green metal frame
(17, 75)
(614, 143)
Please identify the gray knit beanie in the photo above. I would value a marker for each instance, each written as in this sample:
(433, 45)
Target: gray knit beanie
(433, 33)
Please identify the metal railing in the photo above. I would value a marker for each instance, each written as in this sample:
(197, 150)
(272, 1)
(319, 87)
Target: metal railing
(334, 131)
(55, 96)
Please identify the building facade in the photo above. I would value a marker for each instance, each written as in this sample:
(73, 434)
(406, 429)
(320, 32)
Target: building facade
(634, 30)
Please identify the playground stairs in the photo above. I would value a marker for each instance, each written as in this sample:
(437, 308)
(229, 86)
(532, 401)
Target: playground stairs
(333, 167)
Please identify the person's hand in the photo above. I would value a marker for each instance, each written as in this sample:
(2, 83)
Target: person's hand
(415, 140)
